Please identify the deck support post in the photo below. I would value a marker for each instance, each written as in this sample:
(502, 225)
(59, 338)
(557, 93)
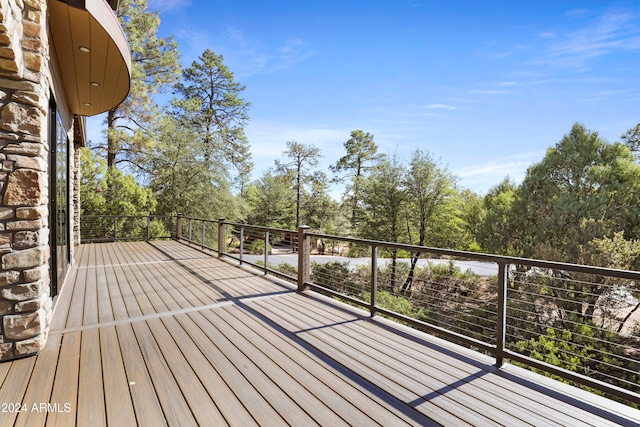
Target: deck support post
(374, 280)
(501, 325)
(179, 227)
(266, 251)
(304, 250)
(221, 237)
(203, 234)
(241, 244)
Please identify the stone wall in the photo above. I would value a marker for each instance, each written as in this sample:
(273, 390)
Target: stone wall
(25, 301)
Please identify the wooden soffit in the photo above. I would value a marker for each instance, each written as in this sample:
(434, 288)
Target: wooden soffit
(92, 54)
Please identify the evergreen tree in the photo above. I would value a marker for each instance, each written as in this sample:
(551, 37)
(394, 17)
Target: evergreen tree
(208, 102)
(384, 197)
(155, 64)
(362, 154)
(271, 201)
(302, 158)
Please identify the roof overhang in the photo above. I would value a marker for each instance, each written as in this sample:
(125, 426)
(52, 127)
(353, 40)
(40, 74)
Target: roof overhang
(92, 54)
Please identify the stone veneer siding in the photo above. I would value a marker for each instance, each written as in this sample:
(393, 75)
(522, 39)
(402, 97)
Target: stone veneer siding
(25, 300)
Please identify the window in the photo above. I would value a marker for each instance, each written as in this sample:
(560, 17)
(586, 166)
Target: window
(58, 199)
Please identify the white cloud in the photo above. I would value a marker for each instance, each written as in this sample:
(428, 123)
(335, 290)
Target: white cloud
(480, 178)
(614, 31)
(163, 6)
(440, 107)
(490, 92)
(268, 140)
(256, 57)
(245, 54)
(547, 34)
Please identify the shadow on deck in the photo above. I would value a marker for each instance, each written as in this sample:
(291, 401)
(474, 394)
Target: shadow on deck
(159, 333)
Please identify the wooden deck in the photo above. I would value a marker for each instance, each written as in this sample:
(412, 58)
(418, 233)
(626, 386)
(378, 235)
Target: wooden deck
(158, 333)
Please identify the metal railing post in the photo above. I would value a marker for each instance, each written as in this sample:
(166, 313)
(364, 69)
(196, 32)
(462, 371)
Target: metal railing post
(501, 325)
(304, 249)
(179, 227)
(221, 237)
(148, 228)
(374, 280)
(190, 230)
(241, 243)
(202, 242)
(266, 251)
(115, 228)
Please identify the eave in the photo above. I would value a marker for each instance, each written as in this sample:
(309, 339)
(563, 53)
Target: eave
(92, 54)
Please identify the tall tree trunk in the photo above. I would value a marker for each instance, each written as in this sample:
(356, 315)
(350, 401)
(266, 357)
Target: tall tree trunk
(112, 141)
(406, 287)
(627, 317)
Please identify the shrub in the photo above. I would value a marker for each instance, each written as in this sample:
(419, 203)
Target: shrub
(335, 276)
(257, 247)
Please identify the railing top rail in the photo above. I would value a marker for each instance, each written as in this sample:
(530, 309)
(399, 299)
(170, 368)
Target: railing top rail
(499, 259)
(128, 216)
(260, 227)
(198, 219)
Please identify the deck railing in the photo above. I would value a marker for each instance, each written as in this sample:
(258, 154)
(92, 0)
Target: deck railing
(577, 323)
(113, 228)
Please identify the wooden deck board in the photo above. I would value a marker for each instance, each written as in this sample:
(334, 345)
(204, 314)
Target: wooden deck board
(360, 364)
(91, 409)
(313, 404)
(297, 358)
(230, 407)
(117, 397)
(420, 374)
(491, 388)
(334, 394)
(65, 383)
(162, 334)
(145, 401)
(40, 384)
(174, 406)
(14, 387)
(203, 409)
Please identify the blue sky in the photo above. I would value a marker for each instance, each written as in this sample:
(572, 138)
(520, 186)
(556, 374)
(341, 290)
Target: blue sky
(484, 86)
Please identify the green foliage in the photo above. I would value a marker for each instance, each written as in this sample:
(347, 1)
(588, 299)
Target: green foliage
(181, 180)
(155, 64)
(358, 251)
(287, 269)
(319, 211)
(631, 139)
(257, 247)
(109, 191)
(208, 103)
(397, 304)
(496, 230)
(302, 157)
(384, 197)
(362, 154)
(471, 210)
(336, 276)
(584, 188)
(270, 201)
(585, 350)
(432, 210)
(157, 229)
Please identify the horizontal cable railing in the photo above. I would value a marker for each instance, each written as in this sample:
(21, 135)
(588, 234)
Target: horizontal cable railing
(113, 228)
(570, 321)
(573, 322)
